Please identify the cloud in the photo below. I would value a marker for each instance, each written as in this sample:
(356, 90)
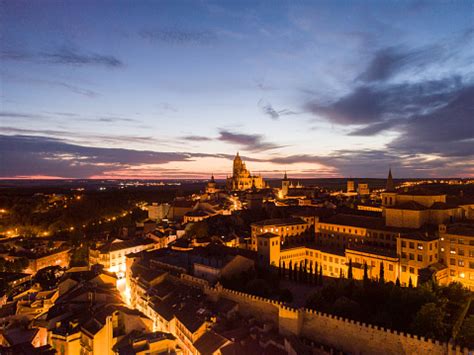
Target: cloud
(374, 104)
(66, 56)
(197, 138)
(390, 61)
(251, 142)
(24, 155)
(78, 137)
(375, 163)
(73, 57)
(9, 114)
(446, 131)
(268, 109)
(50, 83)
(179, 36)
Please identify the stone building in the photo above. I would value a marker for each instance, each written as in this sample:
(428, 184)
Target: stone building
(242, 179)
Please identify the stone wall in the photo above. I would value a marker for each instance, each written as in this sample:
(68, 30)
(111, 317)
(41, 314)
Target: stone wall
(346, 335)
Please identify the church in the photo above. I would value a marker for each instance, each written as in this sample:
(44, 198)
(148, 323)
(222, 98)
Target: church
(241, 178)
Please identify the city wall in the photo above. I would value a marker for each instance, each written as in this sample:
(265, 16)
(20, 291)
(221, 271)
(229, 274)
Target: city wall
(346, 335)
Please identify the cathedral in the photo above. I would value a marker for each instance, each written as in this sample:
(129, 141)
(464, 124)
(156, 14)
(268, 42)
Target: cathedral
(242, 179)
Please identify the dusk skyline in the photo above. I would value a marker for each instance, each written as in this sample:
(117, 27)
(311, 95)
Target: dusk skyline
(167, 89)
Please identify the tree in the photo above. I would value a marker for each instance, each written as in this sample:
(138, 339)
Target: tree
(366, 275)
(466, 333)
(397, 283)
(320, 280)
(279, 270)
(290, 271)
(305, 272)
(429, 321)
(349, 272)
(283, 270)
(382, 273)
(410, 283)
(315, 275)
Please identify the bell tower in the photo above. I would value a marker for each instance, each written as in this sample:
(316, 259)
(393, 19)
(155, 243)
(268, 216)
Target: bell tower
(285, 185)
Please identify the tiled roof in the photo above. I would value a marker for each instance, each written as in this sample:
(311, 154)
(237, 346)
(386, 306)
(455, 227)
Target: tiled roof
(209, 343)
(409, 205)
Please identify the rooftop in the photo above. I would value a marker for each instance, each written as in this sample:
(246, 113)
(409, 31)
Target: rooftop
(463, 229)
(125, 244)
(279, 222)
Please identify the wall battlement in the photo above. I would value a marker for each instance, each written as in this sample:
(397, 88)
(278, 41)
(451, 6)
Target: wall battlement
(341, 333)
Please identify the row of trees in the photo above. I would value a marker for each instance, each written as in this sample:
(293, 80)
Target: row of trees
(308, 273)
(301, 272)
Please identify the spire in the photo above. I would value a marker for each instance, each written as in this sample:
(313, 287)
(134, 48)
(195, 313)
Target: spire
(390, 185)
(212, 178)
(285, 177)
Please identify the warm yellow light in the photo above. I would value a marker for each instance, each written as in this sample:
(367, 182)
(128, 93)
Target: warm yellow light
(462, 275)
(71, 228)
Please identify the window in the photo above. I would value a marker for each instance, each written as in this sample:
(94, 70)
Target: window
(404, 269)
(412, 270)
(412, 245)
(452, 273)
(390, 267)
(452, 261)
(431, 246)
(404, 255)
(460, 262)
(404, 244)
(461, 252)
(412, 256)
(420, 257)
(461, 241)
(471, 265)
(420, 246)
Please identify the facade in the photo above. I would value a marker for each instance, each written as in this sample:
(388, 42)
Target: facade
(350, 185)
(457, 252)
(55, 258)
(113, 255)
(211, 187)
(284, 227)
(363, 189)
(242, 179)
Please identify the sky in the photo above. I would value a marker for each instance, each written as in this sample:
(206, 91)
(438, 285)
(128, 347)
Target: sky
(173, 89)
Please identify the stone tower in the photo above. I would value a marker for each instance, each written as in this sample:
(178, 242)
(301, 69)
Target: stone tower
(390, 185)
(285, 185)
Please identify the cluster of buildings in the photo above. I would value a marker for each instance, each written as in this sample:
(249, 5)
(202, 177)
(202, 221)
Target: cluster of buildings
(417, 235)
(156, 289)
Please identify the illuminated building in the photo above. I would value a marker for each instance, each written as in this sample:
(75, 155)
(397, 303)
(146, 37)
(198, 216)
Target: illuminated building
(284, 227)
(457, 252)
(112, 255)
(241, 178)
